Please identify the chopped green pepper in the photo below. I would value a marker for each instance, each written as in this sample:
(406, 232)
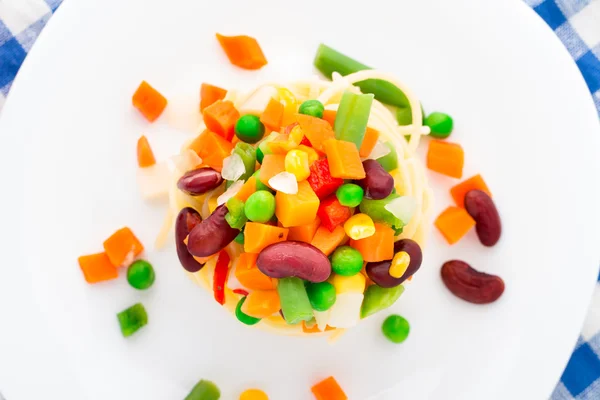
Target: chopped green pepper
(295, 304)
(132, 319)
(389, 162)
(242, 317)
(239, 238)
(376, 210)
(352, 117)
(329, 61)
(248, 156)
(204, 390)
(378, 298)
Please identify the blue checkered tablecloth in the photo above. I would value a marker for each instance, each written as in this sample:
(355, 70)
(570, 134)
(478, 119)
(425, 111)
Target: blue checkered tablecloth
(577, 24)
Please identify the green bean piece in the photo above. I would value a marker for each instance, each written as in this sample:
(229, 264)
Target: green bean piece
(259, 155)
(404, 115)
(132, 319)
(248, 156)
(395, 328)
(389, 162)
(239, 238)
(352, 117)
(295, 304)
(328, 61)
(204, 390)
(378, 298)
(235, 217)
(441, 125)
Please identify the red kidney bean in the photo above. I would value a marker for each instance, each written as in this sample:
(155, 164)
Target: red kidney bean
(379, 272)
(186, 220)
(291, 258)
(199, 181)
(487, 221)
(212, 234)
(378, 183)
(470, 284)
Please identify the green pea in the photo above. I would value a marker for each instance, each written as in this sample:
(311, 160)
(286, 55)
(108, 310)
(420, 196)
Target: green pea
(204, 390)
(321, 295)
(350, 195)
(259, 155)
(132, 319)
(441, 125)
(244, 318)
(346, 261)
(395, 328)
(259, 184)
(314, 108)
(249, 128)
(235, 217)
(260, 206)
(140, 274)
(239, 238)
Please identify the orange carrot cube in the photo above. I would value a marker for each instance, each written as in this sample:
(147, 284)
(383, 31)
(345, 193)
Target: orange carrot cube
(145, 156)
(304, 233)
(210, 94)
(316, 130)
(212, 148)
(326, 240)
(273, 115)
(454, 223)
(296, 209)
(344, 160)
(250, 276)
(243, 51)
(378, 247)
(149, 101)
(459, 191)
(220, 117)
(328, 389)
(122, 247)
(257, 236)
(97, 268)
(445, 158)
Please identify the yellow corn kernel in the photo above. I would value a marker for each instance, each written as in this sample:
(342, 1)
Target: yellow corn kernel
(400, 264)
(296, 163)
(212, 204)
(359, 226)
(398, 185)
(296, 136)
(344, 284)
(312, 153)
(290, 106)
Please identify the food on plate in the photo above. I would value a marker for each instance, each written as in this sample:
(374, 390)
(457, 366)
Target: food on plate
(454, 223)
(97, 268)
(441, 124)
(459, 191)
(471, 285)
(481, 208)
(145, 155)
(204, 390)
(253, 394)
(140, 274)
(396, 328)
(243, 51)
(149, 101)
(446, 158)
(283, 209)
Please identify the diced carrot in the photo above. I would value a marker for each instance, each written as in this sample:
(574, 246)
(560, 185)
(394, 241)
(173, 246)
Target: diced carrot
(273, 114)
(315, 129)
(149, 101)
(281, 144)
(145, 156)
(445, 158)
(220, 117)
(327, 241)
(250, 276)
(328, 389)
(315, 328)
(246, 190)
(378, 247)
(122, 247)
(369, 142)
(243, 51)
(212, 148)
(304, 233)
(297, 209)
(261, 303)
(344, 160)
(97, 268)
(210, 94)
(272, 165)
(454, 223)
(258, 236)
(459, 191)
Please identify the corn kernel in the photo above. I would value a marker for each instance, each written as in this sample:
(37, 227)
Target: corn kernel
(398, 181)
(344, 284)
(296, 163)
(290, 105)
(312, 153)
(359, 226)
(296, 136)
(212, 204)
(400, 264)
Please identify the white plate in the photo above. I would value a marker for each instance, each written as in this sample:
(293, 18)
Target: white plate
(523, 115)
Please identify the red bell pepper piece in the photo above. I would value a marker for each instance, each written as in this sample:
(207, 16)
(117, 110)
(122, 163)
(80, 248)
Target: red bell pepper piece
(332, 213)
(305, 141)
(220, 276)
(241, 291)
(321, 181)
